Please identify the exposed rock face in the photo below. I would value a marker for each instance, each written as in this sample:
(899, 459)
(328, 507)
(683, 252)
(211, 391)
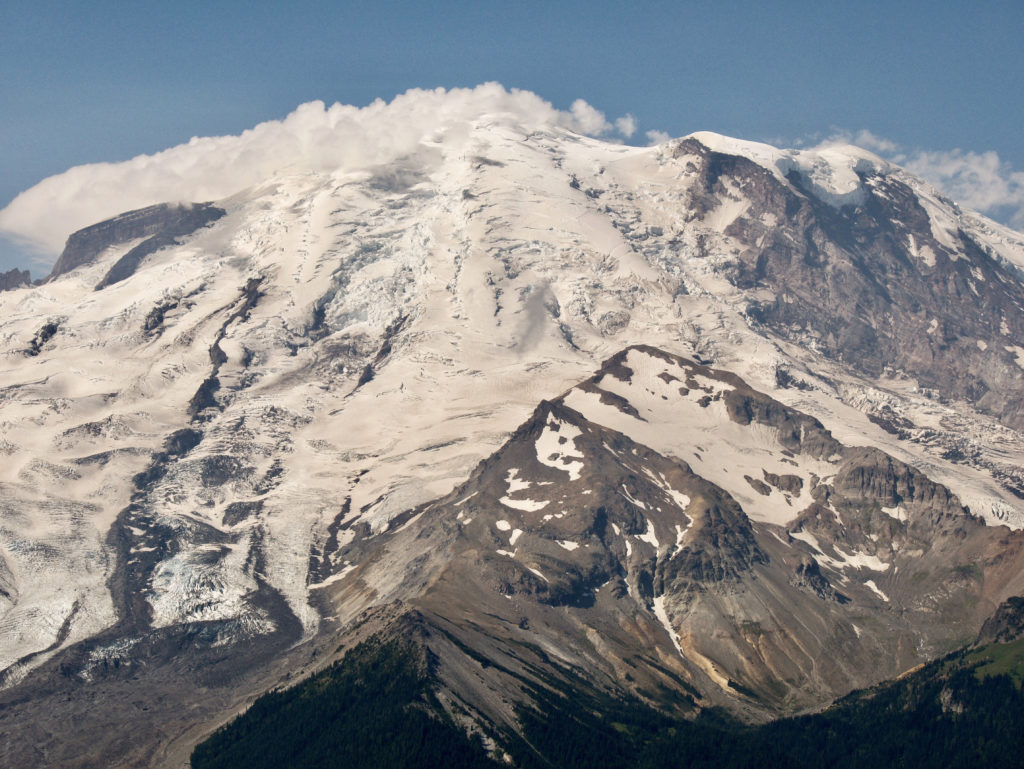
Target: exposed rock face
(159, 224)
(14, 279)
(42, 337)
(808, 575)
(873, 284)
(1006, 625)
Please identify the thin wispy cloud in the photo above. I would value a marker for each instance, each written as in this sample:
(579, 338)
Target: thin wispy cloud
(873, 142)
(313, 138)
(976, 180)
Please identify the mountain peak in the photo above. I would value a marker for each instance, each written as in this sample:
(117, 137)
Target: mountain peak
(831, 172)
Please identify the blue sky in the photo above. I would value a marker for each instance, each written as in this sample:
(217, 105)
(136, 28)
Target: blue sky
(105, 81)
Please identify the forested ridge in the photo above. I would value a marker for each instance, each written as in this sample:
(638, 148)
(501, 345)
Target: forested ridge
(377, 708)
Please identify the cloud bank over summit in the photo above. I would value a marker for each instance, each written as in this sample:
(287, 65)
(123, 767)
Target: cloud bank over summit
(320, 138)
(313, 138)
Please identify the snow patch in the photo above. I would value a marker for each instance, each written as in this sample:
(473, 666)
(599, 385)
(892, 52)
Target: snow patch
(525, 505)
(518, 484)
(870, 584)
(845, 560)
(662, 615)
(681, 536)
(515, 483)
(649, 536)
(629, 497)
(334, 577)
(556, 447)
(1018, 354)
(895, 512)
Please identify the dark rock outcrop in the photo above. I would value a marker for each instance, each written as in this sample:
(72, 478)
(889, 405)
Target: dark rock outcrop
(1006, 625)
(161, 224)
(809, 576)
(13, 279)
(869, 283)
(43, 335)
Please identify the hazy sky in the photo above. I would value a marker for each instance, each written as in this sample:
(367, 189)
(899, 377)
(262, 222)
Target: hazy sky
(937, 85)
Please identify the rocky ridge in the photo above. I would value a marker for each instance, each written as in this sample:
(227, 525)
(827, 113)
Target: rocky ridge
(577, 547)
(13, 279)
(157, 226)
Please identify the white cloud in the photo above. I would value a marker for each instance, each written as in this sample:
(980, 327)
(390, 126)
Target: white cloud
(863, 139)
(588, 120)
(626, 125)
(870, 141)
(657, 137)
(313, 138)
(976, 180)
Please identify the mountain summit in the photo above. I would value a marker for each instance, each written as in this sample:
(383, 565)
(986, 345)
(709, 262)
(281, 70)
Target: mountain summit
(710, 424)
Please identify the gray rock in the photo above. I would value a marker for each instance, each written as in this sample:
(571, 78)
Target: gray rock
(161, 224)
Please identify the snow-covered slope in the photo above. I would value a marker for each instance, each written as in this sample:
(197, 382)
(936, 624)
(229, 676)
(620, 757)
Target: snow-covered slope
(216, 439)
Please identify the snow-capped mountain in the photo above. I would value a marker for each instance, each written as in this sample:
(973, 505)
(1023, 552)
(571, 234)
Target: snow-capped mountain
(708, 417)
